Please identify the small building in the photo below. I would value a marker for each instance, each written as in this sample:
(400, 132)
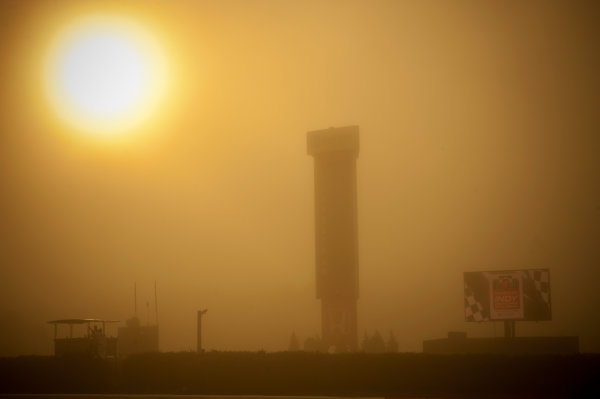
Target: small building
(94, 342)
(135, 338)
(458, 343)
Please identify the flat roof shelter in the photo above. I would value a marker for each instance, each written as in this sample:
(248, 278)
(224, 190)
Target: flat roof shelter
(94, 342)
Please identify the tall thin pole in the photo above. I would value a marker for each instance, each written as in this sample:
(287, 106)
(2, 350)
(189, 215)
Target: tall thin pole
(155, 303)
(156, 313)
(199, 331)
(135, 299)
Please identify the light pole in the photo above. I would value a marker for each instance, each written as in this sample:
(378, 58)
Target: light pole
(199, 332)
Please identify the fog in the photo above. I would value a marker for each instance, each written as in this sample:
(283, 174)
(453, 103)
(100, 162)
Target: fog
(479, 150)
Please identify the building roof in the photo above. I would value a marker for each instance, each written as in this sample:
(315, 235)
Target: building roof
(81, 321)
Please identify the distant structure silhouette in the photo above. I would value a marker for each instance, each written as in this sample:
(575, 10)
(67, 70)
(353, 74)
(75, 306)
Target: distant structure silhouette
(199, 330)
(336, 234)
(294, 343)
(135, 337)
(94, 343)
(374, 343)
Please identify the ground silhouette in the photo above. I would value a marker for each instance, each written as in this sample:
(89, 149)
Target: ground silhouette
(303, 373)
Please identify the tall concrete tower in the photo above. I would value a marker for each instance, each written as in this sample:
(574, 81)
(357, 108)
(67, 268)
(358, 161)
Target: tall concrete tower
(336, 233)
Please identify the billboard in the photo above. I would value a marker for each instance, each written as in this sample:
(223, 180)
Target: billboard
(508, 295)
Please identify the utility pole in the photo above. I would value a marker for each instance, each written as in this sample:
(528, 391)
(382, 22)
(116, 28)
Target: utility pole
(199, 332)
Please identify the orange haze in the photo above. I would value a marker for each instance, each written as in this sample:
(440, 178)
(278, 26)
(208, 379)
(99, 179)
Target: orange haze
(479, 149)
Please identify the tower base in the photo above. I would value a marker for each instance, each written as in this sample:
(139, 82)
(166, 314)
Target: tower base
(339, 324)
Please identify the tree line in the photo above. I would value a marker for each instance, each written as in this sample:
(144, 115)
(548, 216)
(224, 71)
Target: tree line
(370, 344)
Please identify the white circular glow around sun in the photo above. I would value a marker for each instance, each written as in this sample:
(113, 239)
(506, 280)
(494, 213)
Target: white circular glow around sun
(105, 75)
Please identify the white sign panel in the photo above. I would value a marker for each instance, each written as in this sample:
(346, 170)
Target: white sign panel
(506, 296)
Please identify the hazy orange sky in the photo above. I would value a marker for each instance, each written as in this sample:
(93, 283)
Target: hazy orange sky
(480, 142)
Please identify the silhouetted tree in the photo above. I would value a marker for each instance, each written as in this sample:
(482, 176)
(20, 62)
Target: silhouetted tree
(392, 344)
(310, 345)
(294, 344)
(377, 343)
(314, 345)
(365, 342)
(374, 344)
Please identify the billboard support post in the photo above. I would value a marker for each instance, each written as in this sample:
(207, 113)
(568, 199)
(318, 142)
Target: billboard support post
(509, 328)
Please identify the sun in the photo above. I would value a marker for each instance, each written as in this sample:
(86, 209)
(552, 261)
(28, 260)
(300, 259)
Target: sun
(105, 75)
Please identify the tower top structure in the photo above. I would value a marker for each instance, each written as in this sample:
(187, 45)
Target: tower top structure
(340, 139)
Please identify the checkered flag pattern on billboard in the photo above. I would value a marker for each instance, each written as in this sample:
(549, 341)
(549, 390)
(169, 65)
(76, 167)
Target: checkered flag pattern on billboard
(473, 309)
(541, 281)
(533, 296)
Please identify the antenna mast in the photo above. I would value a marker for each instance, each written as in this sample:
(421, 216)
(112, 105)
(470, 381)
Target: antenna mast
(155, 303)
(135, 299)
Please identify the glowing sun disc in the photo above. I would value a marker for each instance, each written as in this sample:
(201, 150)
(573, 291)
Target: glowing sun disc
(105, 75)
(102, 74)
